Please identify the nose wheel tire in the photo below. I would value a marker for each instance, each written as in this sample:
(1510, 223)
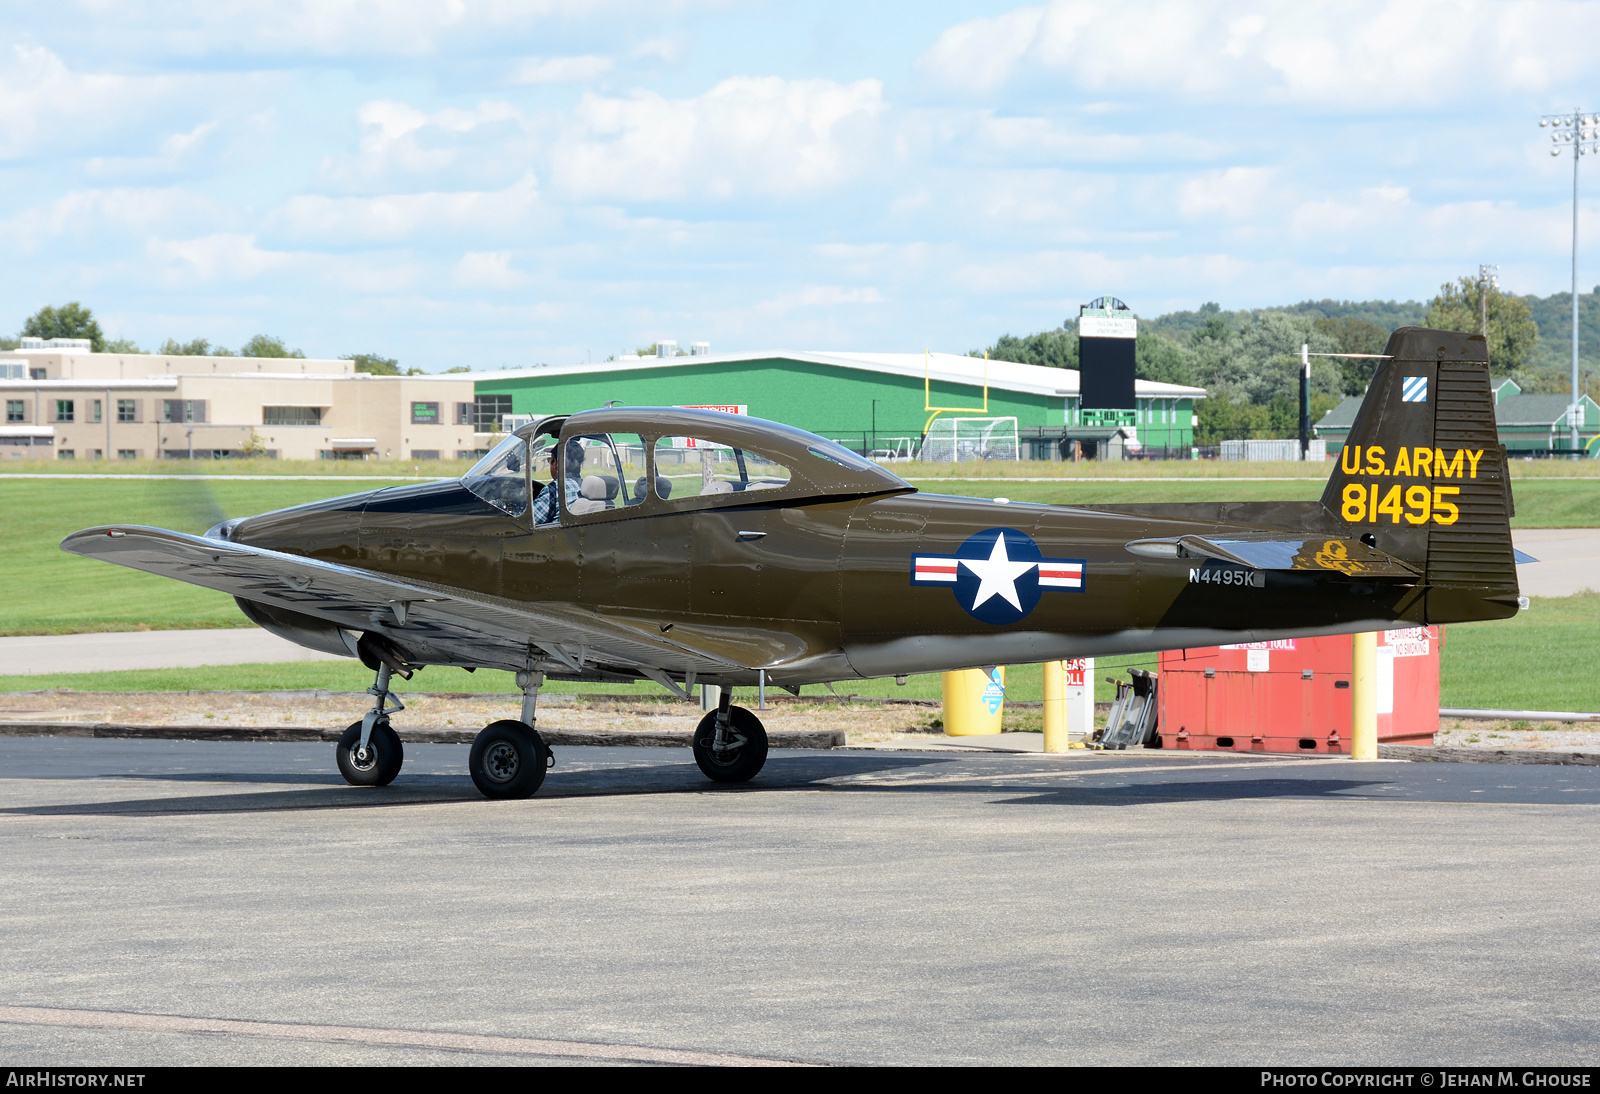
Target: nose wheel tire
(745, 752)
(508, 760)
(381, 761)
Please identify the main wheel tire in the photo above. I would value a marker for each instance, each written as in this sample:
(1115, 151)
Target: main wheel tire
(508, 760)
(733, 765)
(382, 760)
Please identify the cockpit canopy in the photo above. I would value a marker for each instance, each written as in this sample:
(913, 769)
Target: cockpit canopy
(631, 460)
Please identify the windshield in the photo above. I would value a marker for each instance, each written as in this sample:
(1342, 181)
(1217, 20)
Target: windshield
(501, 477)
(839, 454)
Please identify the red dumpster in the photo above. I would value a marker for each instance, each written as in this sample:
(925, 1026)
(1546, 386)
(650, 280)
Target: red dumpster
(1293, 695)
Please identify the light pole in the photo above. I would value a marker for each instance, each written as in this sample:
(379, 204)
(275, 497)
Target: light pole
(1488, 278)
(1581, 133)
(1305, 400)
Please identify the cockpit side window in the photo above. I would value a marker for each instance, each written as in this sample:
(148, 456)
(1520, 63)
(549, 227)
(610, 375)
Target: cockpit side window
(604, 472)
(501, 477)
(698, 467)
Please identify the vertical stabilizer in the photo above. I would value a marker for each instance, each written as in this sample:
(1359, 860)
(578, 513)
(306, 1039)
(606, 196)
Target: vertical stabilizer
(1424, 475)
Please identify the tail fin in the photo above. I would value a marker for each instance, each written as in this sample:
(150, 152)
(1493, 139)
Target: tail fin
(1424, 475)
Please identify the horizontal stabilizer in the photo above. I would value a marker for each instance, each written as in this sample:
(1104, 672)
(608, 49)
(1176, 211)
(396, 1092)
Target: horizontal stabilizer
(1269, 551)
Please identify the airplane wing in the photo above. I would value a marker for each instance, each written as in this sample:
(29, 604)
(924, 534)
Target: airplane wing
(434, 624)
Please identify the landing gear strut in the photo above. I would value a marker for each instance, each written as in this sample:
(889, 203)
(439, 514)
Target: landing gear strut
(509, 758)
(730, 743)
(369, 753)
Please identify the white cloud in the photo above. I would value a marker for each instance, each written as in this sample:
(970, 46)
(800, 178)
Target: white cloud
(1388, 222)
(1380, 208)
(562, 70)
(399, 139)
(408, 28)
(397, 218)
(174, 152)
(983, 53)
(219, 257)
(1074, 276)
(667, 48)
(745, 135)
(818, 296)
(83, 219)
(45, 107)
(488, 270)
(1363, 54)
(1237, 193)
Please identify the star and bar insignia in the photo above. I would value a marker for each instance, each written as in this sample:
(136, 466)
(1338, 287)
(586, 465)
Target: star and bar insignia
(999, 574)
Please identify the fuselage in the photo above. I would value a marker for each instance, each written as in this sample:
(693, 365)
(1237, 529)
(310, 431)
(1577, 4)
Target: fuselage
(838, 587)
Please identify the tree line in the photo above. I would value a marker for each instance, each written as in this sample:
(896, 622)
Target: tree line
(73, 320)
(1249, 361)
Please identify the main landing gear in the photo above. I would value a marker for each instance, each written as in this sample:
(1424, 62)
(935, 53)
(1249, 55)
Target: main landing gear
(509, 758)
(730, 743)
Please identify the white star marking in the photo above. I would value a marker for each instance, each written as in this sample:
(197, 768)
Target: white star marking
(997, 575)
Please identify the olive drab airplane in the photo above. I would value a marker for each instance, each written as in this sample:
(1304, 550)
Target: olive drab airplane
(689, 546)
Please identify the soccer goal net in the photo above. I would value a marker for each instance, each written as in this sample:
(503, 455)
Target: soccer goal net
(956, 440)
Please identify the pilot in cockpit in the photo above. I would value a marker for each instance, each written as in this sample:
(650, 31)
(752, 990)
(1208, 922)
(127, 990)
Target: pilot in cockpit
(545, 507)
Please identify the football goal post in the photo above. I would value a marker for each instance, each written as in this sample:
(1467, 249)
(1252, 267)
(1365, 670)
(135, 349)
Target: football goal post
(957, 440)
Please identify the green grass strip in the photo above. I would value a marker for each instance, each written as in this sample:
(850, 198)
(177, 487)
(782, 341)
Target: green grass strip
(1544, 659)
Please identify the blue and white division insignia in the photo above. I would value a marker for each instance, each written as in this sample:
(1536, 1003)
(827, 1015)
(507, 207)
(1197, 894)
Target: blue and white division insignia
(1414, 389)
(999, 574)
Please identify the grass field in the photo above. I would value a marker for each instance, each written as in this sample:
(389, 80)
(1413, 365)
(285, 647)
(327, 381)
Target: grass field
(1546, 658)
(68, 594)
(58, 593)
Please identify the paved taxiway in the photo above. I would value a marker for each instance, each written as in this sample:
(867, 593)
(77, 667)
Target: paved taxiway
(845, 907)
(116, 651)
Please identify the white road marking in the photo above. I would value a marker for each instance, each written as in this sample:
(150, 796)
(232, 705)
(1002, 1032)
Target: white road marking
(364, 1035)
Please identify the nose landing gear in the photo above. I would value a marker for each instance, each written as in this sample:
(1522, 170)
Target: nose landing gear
(369, 752)
(374, 763)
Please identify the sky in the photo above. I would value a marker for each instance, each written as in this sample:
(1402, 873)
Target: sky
(494, 184)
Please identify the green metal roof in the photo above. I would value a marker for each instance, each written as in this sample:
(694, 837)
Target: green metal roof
(1543, 411)
(1540, 410)
(1343, 416)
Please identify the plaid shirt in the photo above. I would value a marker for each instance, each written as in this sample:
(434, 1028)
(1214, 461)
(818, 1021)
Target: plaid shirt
(545, 510)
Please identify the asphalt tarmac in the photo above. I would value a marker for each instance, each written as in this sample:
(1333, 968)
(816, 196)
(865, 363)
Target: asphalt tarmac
(176, 902)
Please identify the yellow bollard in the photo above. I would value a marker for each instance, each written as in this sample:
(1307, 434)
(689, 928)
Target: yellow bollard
(1364, 696)
(974, 702)
(1055, 707)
